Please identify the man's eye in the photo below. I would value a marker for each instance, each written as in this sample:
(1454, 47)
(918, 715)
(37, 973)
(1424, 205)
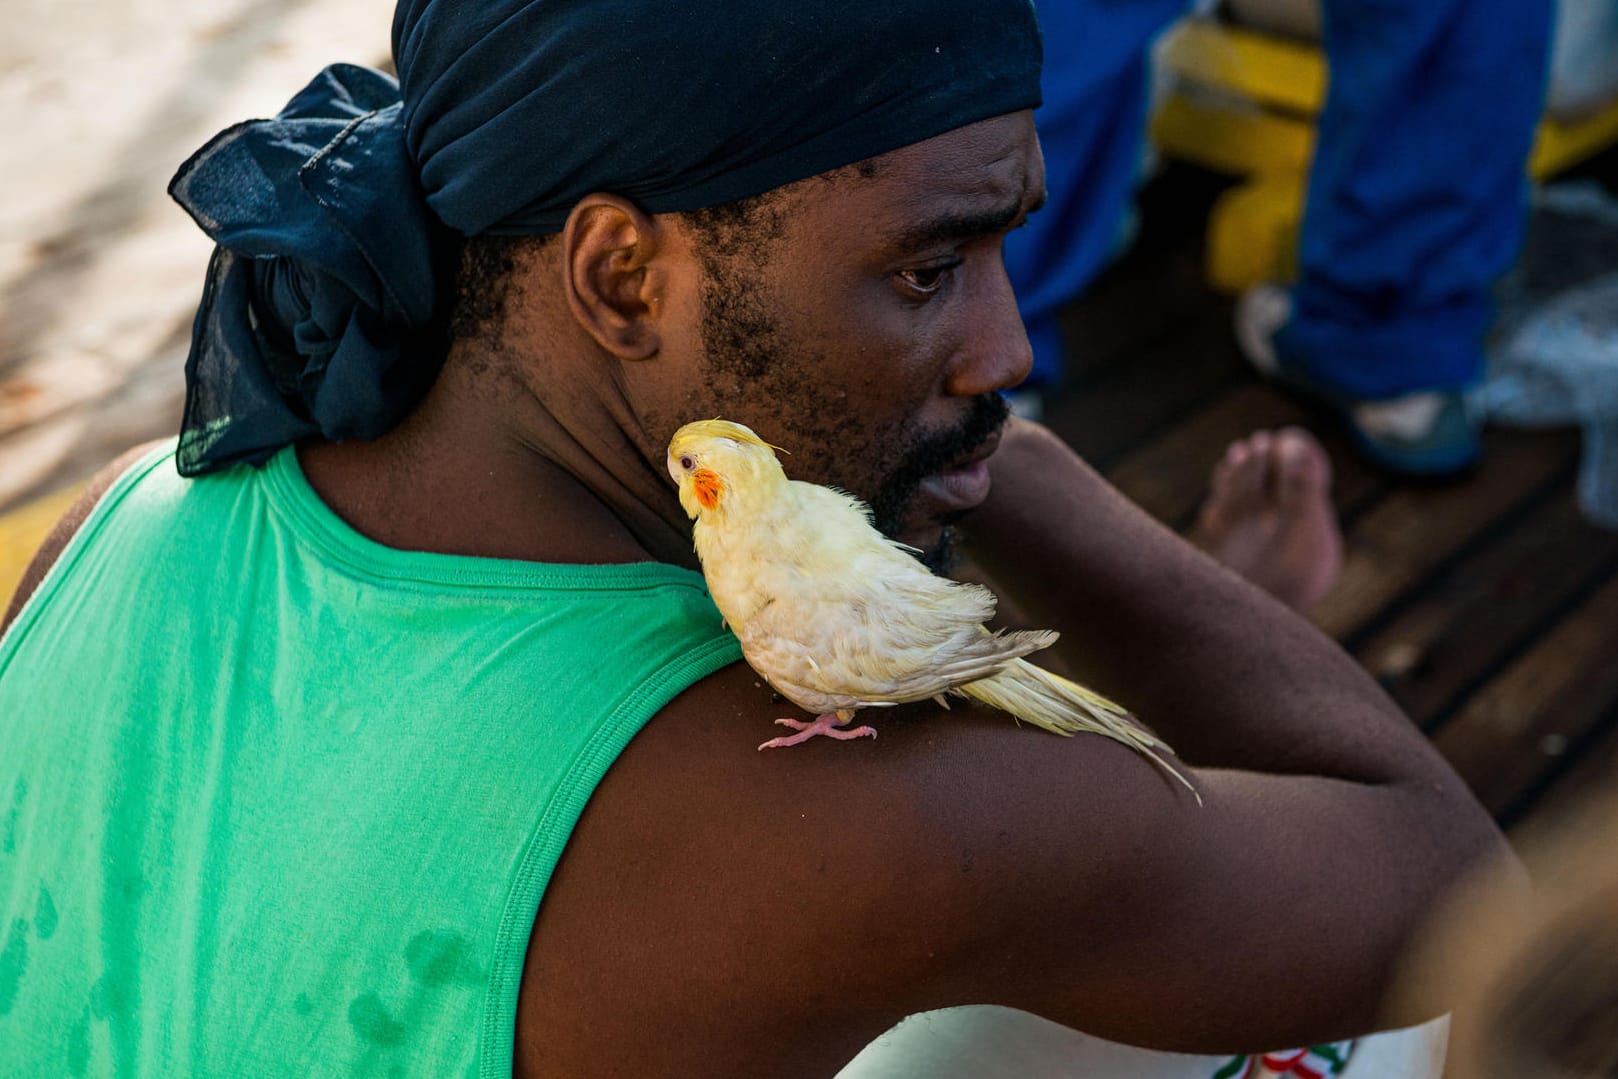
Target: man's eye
(928, 279)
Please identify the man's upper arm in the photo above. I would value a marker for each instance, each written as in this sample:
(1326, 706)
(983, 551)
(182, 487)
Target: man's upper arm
(66, 528)
(960, 859)
(1103, 898)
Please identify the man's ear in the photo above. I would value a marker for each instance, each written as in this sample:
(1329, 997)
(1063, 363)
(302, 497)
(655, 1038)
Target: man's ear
(613, 278)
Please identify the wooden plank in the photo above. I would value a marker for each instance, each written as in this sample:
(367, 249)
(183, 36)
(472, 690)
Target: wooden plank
(1167, 470)
(1591, 773)
(1356, 484)
(1168, 475)
(1104, 417)
(1107, 417)
(1477, 613)
(1131, 307)
(1515, 729)
(1414, 530)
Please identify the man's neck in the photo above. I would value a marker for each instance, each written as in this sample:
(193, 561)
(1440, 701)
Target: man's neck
(498, 474)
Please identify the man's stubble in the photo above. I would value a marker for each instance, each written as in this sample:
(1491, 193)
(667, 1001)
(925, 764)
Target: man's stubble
(753, 369)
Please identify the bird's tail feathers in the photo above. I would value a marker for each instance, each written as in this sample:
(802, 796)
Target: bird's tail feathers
(1064, 707)
(987, 654)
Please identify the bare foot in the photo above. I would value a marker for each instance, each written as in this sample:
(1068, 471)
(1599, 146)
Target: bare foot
(1269, 516)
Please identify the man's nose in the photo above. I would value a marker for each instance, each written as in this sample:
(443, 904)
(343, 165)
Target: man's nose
(996, 354)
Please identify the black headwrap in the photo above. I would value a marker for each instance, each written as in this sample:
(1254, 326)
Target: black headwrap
(334, 220)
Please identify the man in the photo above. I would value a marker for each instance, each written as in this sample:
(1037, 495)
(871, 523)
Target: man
(294, 752)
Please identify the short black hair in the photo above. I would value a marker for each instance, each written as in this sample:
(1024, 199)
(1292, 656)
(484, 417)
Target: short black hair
(481, 284)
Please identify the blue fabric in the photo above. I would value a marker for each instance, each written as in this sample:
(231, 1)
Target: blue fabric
(1416, 198)
(516, 110)
(322, 311)
(315, 317)
(1091, 128)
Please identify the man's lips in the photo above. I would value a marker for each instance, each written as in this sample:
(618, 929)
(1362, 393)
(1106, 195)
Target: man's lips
(965, 483)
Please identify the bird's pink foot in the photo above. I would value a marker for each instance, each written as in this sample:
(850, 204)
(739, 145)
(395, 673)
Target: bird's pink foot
(830, 725)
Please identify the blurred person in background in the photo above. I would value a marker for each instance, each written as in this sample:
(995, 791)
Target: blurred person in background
(1416, 204)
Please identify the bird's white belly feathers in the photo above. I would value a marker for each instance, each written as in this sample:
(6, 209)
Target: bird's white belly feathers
(831, 613)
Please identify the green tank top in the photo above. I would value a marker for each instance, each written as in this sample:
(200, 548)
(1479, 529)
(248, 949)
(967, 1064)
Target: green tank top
(278, 800)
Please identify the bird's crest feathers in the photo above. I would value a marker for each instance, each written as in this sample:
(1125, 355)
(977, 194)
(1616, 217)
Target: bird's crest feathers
(718, 428)
(711, 460)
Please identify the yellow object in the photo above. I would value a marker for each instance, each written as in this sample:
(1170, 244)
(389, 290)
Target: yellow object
(1259, 67)
(1253, 233)
(23, 530)
(838, 618)
(1561, 144)
(1232, 136)
(1244, 103)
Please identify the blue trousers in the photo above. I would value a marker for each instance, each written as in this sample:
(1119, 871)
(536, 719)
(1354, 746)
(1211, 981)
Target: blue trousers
(1416, 195)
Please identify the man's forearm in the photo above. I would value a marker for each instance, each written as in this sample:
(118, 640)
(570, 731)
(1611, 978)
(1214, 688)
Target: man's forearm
(1228, 675)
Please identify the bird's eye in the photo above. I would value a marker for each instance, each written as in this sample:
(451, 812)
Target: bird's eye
(687, 463)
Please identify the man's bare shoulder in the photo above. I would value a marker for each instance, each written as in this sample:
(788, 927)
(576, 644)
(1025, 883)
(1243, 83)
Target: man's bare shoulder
(772, 912)
(710, 914)
(778, 910)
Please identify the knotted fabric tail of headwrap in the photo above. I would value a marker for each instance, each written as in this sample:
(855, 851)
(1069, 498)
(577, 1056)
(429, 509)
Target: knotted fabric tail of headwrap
(317, 315)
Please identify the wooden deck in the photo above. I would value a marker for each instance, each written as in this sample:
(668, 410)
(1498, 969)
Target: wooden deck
(1488, 608)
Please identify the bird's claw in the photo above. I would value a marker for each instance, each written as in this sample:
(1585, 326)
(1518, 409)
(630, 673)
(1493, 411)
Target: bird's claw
(822, 725)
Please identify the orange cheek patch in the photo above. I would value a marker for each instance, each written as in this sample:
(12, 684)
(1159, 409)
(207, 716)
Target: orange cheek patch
(708, 488)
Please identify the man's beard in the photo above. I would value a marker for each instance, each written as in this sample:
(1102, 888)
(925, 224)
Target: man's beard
(747, 348)
(927, 457)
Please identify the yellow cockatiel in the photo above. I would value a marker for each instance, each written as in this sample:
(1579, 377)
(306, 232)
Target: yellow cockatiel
(836, 617)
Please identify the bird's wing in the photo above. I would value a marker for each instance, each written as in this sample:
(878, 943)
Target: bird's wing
(855, 621)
